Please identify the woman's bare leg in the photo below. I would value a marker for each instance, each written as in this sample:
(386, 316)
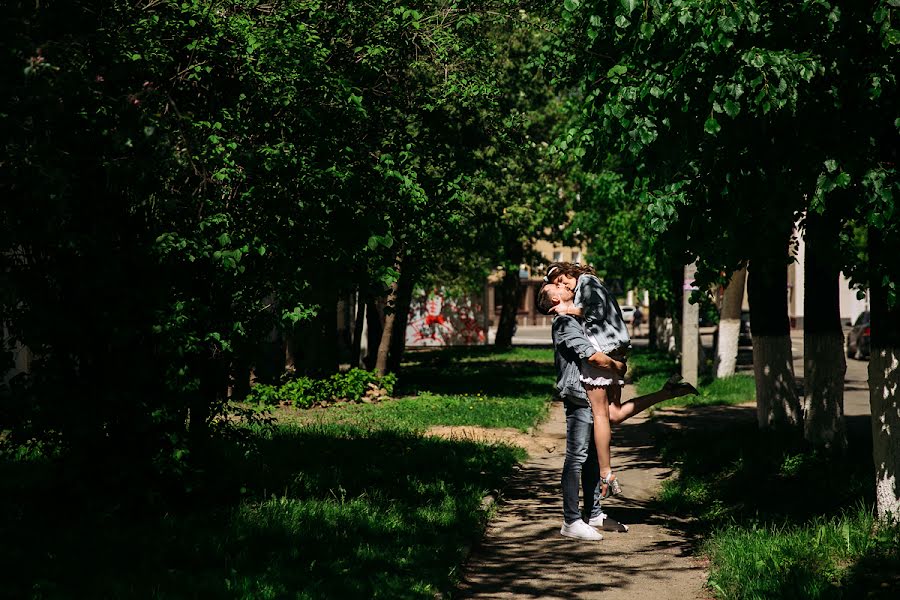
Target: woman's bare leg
(620, 412)
(602, 432)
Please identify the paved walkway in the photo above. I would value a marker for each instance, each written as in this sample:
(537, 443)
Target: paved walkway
(524, 556)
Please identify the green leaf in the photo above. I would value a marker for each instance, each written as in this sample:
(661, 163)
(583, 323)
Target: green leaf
(622, 22)
(617, 70)
(571, 5)
(732, 108)
(727, 24)
(831, 165)
(711, 126)
(842, 180)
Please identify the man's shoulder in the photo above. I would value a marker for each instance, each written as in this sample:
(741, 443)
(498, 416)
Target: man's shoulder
(563, 323)
(560, 321)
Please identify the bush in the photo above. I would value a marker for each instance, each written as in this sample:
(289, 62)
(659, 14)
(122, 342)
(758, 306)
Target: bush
(304, 392)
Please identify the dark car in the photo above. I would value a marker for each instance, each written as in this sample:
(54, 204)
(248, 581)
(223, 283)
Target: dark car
(858, 345)
(744, 336)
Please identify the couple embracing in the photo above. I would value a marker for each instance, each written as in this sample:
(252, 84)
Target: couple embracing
(591, 345)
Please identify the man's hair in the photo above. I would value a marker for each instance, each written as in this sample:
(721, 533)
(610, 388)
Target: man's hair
(545, 302)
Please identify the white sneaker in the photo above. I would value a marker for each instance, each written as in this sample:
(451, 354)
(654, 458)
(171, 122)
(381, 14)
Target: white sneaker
(581, 530)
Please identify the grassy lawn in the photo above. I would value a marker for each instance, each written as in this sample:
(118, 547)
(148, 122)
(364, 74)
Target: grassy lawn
(455, 386)
(774, 519)
(778, 521)
(349, 502)
(651, 368)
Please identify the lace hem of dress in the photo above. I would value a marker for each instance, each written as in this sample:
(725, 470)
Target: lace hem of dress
(601, 381)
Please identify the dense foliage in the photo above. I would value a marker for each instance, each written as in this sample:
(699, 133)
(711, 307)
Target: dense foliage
(188, 183)
(731, 118)
(303, 392)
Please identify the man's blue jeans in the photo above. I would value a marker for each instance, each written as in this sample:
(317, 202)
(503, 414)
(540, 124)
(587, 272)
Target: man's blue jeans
(581, 468)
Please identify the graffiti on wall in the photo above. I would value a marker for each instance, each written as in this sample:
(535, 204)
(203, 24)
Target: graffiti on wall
(438, 320)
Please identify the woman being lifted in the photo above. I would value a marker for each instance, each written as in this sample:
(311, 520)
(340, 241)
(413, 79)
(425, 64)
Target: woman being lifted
(575, 290)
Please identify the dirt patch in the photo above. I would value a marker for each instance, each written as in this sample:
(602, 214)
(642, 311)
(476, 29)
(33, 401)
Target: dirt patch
(534, 444)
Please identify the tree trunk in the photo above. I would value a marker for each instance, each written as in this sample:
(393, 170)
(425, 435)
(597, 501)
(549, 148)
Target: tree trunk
(509, 297)
(358, 326)
(884, 393)
(824, 364)
(652, 310)
(730, 325)
(406, 285)
(778, 406)
(375, 327)
(345, 314)
(691, 347)
(390, 318)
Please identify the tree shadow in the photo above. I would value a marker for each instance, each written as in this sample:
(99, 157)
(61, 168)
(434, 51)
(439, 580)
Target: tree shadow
(528, 558)
(478, 370)
(320, 512)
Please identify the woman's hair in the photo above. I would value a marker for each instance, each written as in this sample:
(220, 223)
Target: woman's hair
(566, 268)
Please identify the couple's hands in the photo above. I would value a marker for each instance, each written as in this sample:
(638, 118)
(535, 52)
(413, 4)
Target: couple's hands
(603, 361)
(566, 308)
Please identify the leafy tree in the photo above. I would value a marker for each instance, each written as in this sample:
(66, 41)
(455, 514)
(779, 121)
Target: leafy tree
(733, 116)
(186, 178)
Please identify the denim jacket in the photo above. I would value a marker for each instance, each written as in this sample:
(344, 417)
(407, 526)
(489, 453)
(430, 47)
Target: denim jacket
(604, 325)
(570, 348)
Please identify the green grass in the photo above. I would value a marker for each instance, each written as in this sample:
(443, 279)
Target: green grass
(356, 504)
(651, 368)
(813, 560)
(425, 410)
(477, 386)
(773, 517)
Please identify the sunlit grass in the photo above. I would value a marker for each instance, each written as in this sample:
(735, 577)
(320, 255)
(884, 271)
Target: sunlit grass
(774, 516)
(652, 368)
(817, 559)
(426, 410)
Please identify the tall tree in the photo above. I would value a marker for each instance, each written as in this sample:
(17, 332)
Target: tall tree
(824, 363)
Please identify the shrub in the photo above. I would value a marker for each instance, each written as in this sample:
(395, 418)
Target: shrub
(304, 392)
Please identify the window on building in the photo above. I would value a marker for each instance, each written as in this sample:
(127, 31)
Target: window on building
(557, 256)
(576, 256)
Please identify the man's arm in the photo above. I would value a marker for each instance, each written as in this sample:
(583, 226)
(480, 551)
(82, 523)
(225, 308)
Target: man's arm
(567, 308)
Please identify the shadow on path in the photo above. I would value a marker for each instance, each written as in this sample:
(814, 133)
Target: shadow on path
(524, 556)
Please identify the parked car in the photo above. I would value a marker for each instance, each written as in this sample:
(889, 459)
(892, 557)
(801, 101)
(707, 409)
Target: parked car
(858, 345)
(627, 312)
(744, 336)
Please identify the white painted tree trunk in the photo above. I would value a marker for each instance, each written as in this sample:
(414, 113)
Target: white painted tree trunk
(730, 325)
(726, 359)
(778, 406)
(665, 334)
(824, 367)
(884, 399)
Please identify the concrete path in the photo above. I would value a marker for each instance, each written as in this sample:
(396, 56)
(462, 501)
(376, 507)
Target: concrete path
(524, 556)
